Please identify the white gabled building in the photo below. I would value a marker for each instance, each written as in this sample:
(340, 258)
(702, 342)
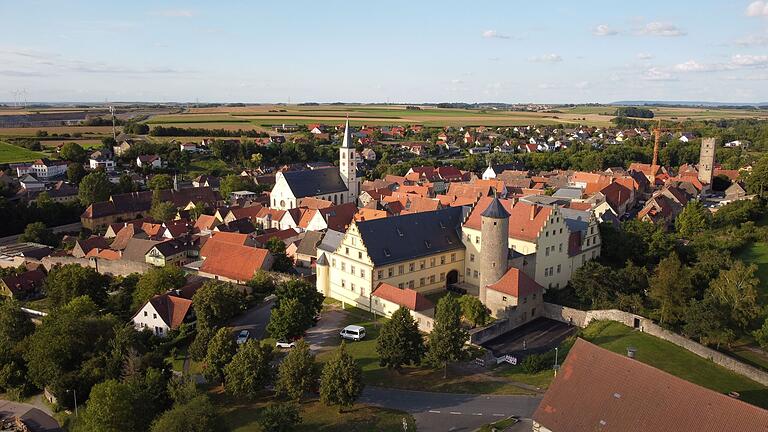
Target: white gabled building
(336, 185)
(163, 313)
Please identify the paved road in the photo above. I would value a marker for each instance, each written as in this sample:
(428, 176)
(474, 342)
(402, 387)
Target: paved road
(325, 335)
(73, 227)
(440, 412)
(254, 320)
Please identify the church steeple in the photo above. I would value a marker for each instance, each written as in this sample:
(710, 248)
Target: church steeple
(347, 143)
(347, 168)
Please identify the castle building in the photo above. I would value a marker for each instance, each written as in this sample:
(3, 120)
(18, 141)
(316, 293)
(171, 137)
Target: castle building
(339, 186)
(506, 254)
(707, 161)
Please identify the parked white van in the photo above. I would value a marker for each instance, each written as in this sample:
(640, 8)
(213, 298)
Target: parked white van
(353, 332)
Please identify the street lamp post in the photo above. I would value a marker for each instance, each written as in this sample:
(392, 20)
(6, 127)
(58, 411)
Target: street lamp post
(74, 394)
(556, 357)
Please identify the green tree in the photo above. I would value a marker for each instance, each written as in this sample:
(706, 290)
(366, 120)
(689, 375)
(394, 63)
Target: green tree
(233, 183)
(298, 372)
(64, 283)
(757, 180)
(694, 218)
(400, 342)
(761, 335)
(157, 280)
(595, 284)
(125, 184)
(198, 349)
(303, 291)
(161, 210)
(216, 302)
(221, 349)
(64, 352)
(37, 232)
(281, 261)
(95, 187)
(73, 152)
(289, 320)
(249, 371)
(447, 338)
(279, 417)
(706, 321)
(670, 287)
(262, 283)
(341, 380)
(196, 415)
(474, 310)
(736, 290)
(160, 181)
(14, 327)
(75, 173)
(110, 409)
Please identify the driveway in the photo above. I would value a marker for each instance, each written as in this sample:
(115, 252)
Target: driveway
(440, 412)
(34, 418)
(254, 320)
(325, 335)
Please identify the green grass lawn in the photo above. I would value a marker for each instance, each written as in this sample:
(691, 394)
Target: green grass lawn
(11, 153)
(414, 378)
(239, 415)
(677, 361)
(757, 253)
(209, 166)
(499, 425)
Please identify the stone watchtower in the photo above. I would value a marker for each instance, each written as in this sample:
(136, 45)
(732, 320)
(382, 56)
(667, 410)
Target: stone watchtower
(323, 276)
(494, 246)
(707, 160)
(347, 168)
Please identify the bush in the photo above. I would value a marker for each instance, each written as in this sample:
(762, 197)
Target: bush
(534, 363)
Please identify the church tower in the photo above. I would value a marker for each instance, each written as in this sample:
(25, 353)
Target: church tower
(347, 166)
(494, 245)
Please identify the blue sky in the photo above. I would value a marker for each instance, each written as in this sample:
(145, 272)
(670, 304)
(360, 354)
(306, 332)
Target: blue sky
(385, 51)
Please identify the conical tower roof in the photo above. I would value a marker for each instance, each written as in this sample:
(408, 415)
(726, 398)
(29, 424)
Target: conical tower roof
(322, 260)
(495, 210)
(347, 143)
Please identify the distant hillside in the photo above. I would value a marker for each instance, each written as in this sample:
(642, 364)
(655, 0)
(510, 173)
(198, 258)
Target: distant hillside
(693, 104)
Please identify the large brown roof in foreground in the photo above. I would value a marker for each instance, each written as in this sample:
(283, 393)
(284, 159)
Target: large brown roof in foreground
(598, 390)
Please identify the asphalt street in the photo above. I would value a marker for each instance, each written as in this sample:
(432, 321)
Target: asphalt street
(440, 412)
(254, 320)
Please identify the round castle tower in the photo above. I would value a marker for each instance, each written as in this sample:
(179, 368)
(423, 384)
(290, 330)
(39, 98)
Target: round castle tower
(323, 277)
(494, 246)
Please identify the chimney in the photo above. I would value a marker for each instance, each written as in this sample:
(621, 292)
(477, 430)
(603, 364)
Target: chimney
(533, 211)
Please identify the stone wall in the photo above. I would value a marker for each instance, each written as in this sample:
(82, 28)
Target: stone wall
(583, 318)
(114, 268)
(514, 318)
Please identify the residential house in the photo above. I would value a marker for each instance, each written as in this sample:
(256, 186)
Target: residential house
(386, 299)
(44, 169)
(163, 313)
(151, 161)
(27, 285)
(232, 262)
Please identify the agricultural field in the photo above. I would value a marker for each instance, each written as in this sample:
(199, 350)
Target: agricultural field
(11, 154)
(84, 143)
(31, 131)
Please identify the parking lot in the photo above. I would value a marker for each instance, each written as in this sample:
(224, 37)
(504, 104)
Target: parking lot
(538, 336)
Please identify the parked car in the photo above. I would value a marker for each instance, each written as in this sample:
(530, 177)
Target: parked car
(353, 332)
(243, 336)
(285, 344)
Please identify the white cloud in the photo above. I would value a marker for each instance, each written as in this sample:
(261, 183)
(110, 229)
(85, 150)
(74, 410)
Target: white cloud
(604, 30)
(657, 28)
(738, 61)
(547, 86)
(757, 8)
(582, 84)
(657, 74)
(644, 56)
(749, 60)
(174, 13)
(457, 81)
(753, 40)
(493, 34)
(547, 58)
(694, 66)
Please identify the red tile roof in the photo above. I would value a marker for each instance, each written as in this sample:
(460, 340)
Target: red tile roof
(233, 261)
(171, 309)
(525, 220)
(598, 390)
(516, 283)
(404, 297)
